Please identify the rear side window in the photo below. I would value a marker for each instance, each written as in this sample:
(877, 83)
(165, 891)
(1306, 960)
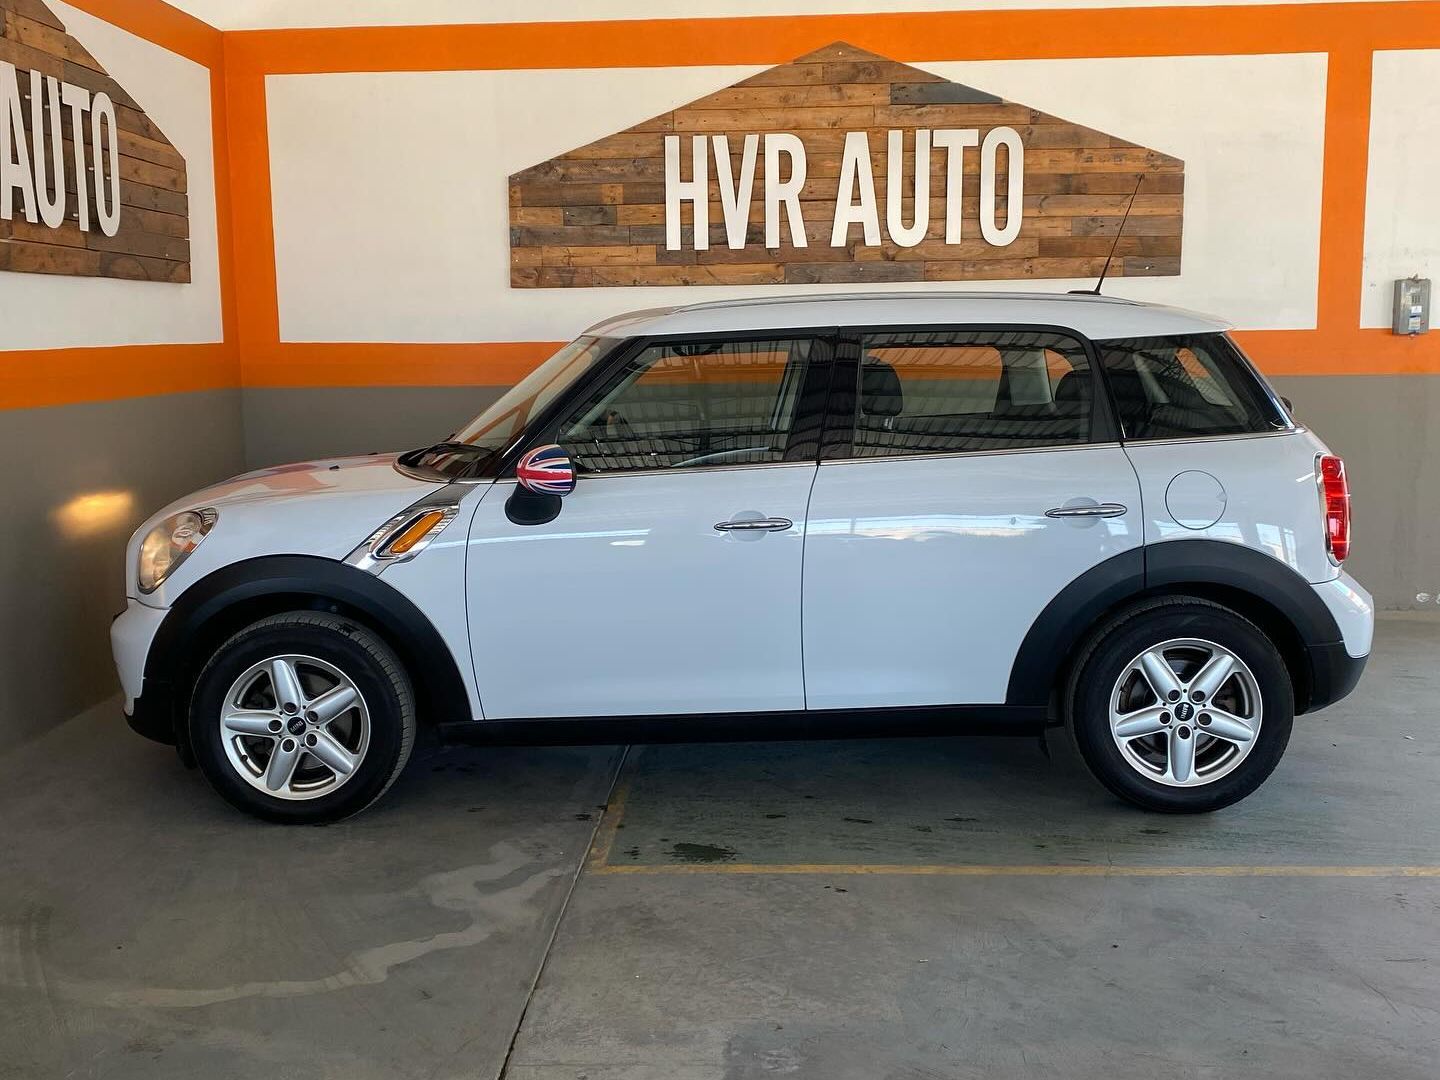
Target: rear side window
(1184, 386)
(960, 392)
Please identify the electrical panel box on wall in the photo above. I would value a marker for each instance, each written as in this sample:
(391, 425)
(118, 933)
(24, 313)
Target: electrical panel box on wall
(1412, 306)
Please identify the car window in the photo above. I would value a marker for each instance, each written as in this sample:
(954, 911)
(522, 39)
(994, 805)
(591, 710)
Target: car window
(1184, 386)
(938, 392)
(679, 405)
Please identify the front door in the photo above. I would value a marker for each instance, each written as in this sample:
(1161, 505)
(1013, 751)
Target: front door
(669, 582)
(973, 480)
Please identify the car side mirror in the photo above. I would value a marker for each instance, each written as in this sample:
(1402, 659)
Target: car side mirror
(546, 470)
(543, 477)
(1288, 406)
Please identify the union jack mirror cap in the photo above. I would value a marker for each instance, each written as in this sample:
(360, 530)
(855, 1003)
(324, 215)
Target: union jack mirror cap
(546, 470)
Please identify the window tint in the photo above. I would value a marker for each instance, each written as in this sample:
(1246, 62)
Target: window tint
(948, 392)
(686, 405)
(1179, 387)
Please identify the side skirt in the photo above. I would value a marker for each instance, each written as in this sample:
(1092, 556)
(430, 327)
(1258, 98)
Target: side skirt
(911, 721)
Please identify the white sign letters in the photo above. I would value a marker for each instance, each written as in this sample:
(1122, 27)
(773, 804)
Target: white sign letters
(32, 167)
(855, 200)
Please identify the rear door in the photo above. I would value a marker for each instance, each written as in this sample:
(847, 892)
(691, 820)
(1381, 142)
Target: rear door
(967, 477)
(1217, 457)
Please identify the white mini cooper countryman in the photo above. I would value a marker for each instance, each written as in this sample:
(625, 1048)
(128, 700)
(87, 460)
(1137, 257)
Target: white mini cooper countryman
(813, 515)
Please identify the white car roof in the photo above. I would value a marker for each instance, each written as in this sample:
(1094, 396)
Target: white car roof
(1096, 317)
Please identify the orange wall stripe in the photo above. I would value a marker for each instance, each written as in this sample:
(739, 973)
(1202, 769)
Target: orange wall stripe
(224, 204)
(911, 36)
(501, 363)
(312, 364)
(253, 236)
(1351, 352)
(35, 378)
(160, 24)
(1342, 198)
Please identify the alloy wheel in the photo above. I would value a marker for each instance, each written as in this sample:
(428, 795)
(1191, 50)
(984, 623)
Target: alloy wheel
(295, 727)
(1185, 712)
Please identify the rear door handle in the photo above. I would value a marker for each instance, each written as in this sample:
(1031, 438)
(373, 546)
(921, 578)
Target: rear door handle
(1104, 510)
(769, 524)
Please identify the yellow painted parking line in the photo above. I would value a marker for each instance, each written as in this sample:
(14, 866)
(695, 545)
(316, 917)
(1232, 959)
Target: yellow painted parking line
(598, 860)
(604, 840)
(1001, 870)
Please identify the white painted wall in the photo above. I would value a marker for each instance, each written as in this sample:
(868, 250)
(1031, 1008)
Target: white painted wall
(264, 14)
(45, 311)
(1402, 205)
(391, 211)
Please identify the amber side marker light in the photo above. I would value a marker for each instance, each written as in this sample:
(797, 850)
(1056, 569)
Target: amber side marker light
(413, 533)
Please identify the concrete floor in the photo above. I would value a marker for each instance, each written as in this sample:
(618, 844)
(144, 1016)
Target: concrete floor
(877, 910)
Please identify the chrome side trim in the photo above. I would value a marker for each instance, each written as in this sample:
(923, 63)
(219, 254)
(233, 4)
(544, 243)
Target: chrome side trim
(672, 470)
(365, 558)
(1279, 434)
(1069, 447)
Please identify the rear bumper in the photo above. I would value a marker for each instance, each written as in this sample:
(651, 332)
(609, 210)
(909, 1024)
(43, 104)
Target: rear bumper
(1333, 674)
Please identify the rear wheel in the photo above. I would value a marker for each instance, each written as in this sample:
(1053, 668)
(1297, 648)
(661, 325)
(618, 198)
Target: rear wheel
(304, 717)
(1182, 706)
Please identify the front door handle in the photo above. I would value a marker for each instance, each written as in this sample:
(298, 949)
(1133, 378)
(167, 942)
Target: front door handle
(1104, 510)
(767, 524)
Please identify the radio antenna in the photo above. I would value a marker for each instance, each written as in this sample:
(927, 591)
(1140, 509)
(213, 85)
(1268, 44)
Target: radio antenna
(1106, 268)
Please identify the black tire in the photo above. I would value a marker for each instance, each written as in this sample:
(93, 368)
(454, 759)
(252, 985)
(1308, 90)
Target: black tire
(1102, 662)
(351, 648)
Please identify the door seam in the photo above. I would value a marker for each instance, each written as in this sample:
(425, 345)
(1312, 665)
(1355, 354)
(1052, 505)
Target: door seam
(804, 547)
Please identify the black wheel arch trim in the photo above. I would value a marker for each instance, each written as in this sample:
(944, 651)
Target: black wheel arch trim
(1173, 566)
(308, 581)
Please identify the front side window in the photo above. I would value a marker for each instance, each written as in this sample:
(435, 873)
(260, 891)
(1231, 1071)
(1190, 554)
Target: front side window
(961, 392)
(682, 405)
(1185, 386)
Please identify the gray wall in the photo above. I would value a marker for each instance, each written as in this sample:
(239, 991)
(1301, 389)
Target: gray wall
(78, 480)
(293, 425)
(1387, 428)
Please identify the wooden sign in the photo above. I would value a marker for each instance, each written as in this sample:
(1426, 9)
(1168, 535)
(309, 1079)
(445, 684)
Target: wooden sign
(807, 173)
(89, 185)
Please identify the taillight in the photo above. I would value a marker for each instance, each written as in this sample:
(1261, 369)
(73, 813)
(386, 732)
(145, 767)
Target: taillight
(1335, 503)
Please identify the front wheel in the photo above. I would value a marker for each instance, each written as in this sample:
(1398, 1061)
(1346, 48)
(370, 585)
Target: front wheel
(302, 718)
(1182, 706)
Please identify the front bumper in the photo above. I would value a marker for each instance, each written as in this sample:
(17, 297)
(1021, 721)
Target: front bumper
(153, 716)
(132, 632)
(148, 702)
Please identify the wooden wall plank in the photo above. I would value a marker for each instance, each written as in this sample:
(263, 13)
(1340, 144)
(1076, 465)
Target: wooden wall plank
(595, 216)
(152, 241)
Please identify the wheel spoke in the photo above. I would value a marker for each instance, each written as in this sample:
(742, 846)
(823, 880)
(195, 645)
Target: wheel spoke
(282, 764)
(286, 683)
(328, 749)
(1182, 753)
(332, 703)
(250, 722)
(1227, 726)
(1212, 676)
(1159, 674)
(1140, 722)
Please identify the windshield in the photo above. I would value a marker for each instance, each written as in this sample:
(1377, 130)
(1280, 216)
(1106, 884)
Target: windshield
(471, 450)
(496, 426)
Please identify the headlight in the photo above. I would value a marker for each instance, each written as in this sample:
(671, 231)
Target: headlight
(167, 544)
